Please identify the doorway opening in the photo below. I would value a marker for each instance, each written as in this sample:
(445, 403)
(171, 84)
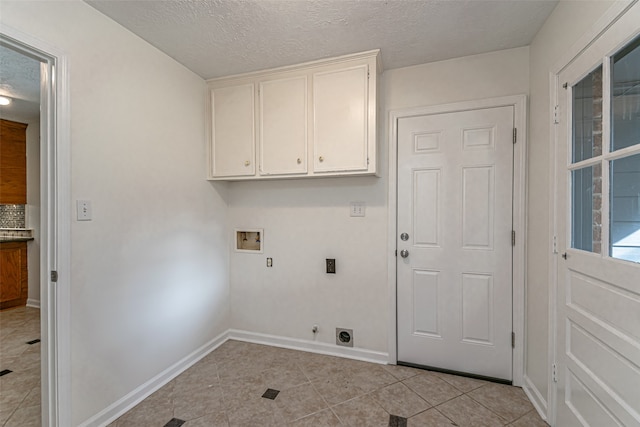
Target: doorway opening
(54, 222)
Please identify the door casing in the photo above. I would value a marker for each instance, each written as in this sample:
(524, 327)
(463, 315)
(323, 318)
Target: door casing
(519, 102)
(55, 205)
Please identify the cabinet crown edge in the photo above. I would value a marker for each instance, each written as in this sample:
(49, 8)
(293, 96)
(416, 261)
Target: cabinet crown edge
(375, 53)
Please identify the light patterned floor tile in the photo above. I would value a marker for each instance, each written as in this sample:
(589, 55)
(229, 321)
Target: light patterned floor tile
(225, 389)
(398, 399)
(324, 418)
(362, 411)
(466, 412)
(431, 388)
(530, 419)
(298, 402)
(504, 400)
(429, 418)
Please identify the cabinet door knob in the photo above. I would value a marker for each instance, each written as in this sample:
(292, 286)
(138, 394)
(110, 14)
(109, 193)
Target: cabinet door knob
(247, 163)
(321, 159)
(299, 161)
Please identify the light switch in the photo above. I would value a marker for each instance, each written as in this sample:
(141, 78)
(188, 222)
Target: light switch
(84, 210)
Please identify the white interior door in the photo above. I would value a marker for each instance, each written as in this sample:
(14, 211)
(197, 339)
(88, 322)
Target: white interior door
(454, 265)
(598, 211)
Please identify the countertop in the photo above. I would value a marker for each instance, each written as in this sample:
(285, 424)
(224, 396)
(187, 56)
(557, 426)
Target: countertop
(12, 239)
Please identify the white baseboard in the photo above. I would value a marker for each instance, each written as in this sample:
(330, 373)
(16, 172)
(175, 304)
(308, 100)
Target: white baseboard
(35, 303)
(535, 397)
(310, 346)
(123, 405)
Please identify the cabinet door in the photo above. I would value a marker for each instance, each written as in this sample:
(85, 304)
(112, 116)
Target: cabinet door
(340, 109)
(13, 163)
(233, 131)
(13, 274)
(283, 126)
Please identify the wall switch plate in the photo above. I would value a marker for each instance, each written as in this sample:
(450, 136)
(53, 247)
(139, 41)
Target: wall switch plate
(357, 209)
(269, 262)
(84, 210)
(331, 266)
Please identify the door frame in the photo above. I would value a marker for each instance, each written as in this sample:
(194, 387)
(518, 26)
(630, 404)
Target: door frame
(519, 102)
(55, 222)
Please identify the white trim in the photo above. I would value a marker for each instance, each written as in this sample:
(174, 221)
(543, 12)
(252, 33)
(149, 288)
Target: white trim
(392, 239)
(375, 53)
(309, 346)
(553, 251)
(535, 397)
(55, 224)
(121, 406)
(519, 102)
(33, 303)
(607, 20)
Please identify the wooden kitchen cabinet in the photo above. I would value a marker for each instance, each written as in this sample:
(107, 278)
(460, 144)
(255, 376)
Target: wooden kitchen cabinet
(316, 119)
(13, 163)
(14, 280)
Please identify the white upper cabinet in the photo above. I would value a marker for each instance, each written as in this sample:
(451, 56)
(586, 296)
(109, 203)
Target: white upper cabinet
(313, 119)
(233, 131)
(340, 113)
(283, 126)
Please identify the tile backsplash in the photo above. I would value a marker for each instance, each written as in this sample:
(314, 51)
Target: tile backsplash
(12, 216)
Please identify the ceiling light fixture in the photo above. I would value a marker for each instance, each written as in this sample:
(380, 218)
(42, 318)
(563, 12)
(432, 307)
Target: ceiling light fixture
(4, 100)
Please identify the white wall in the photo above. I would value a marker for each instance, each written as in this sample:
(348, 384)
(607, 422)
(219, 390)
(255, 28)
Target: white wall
(149, 278)
(306, 221)
(33, 209)
(561, 31)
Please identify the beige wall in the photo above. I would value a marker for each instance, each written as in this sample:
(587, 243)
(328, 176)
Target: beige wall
(569, 21)
(306, 221)
(155, 260)
(149, 277)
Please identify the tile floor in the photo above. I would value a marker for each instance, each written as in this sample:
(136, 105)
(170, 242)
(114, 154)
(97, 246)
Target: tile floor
(20, 388)
(242, 384)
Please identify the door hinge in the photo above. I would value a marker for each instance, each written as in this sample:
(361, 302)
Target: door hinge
(513, 237)
(556, 114)
(54, 276)
(515, 135)
(513, 340)
(554, 372)
(555, 244)
(396, 252)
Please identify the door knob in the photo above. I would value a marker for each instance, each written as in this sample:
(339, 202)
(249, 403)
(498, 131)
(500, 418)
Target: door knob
(404, 253)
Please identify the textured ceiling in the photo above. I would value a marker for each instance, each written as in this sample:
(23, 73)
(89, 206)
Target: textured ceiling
(20, 81)
(221, 37)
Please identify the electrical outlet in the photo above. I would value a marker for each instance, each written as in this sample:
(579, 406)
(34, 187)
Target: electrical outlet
(357, 209)
(331, 266)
